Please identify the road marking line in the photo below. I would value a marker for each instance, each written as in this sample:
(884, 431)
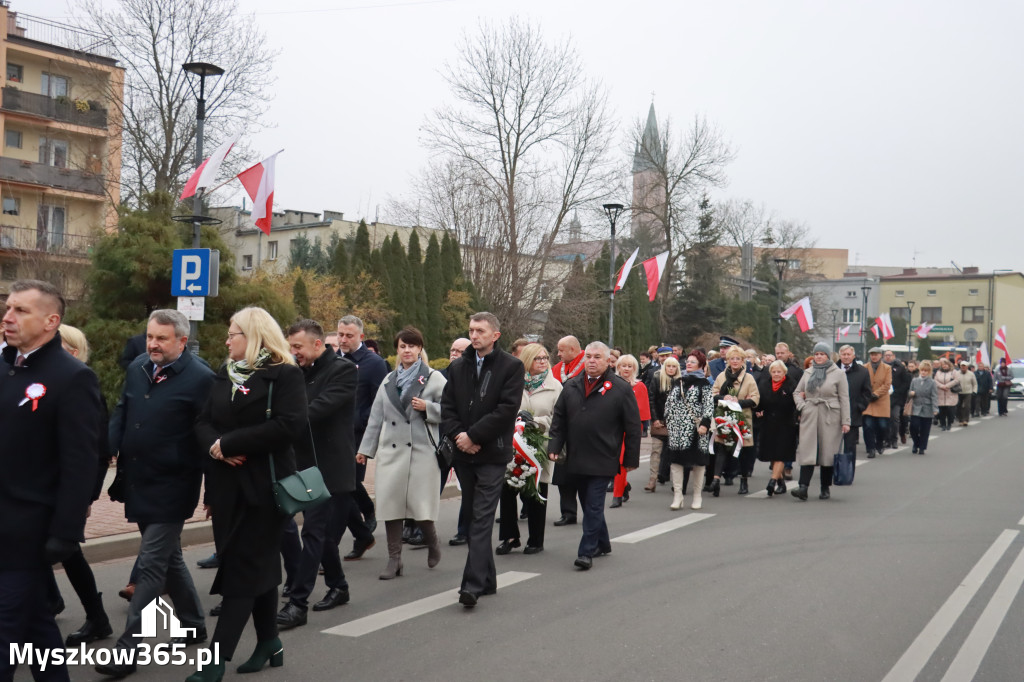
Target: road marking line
(1021, 522)
(969, 658)
(661, 528)
(920, 651)
(398, 614)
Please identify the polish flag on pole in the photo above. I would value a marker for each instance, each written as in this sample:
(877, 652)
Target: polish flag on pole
(924, 330)
(842, 331)
(876, 331)
(207, 171)
(654, 267)
(259, 185)
(982, 356)
(1000, 341)
(620, 281)
(884, 323)
(802, 310)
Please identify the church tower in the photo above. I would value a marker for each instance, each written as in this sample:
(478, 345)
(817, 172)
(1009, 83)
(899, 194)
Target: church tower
(648, 186)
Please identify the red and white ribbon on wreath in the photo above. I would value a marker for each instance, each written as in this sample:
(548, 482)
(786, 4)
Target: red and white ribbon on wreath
(34, 392)
(736, 430)
(520, 445)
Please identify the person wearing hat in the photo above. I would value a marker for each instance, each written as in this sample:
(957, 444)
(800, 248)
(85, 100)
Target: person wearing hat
(717, 366)
(876, 414)
(823, 400)
(968, 387)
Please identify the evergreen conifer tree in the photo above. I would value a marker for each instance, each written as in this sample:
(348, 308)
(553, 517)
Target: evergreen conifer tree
(300, 296)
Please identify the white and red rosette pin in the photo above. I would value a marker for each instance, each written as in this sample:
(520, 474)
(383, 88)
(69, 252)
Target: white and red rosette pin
(607, 385)
(34, 392)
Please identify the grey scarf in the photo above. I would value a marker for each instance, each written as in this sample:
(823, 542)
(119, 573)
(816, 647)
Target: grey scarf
(818, 374)
(405, 377)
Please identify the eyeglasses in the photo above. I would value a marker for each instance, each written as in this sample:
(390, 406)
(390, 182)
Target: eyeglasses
(541, 357)
(232, 335)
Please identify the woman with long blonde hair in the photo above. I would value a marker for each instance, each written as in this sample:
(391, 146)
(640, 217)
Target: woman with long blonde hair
(661, 385)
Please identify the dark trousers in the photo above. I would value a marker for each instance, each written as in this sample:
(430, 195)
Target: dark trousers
(725, 462)
(975, 405)
(536, 511)
(362, 498)
(897, 422)
(984, 403)
(317, 550)
(463, 522)
(234, 614)
(291, 551)
(25, 618)
(567, 494)
(592, 490)
(875, 429)
(350, 518)
(80, 575)
(807, 472)
(481, 490)
(946, 415)
(963, 408)
(920, 428)
(851, 439)
(1003, 399)
(162, 570)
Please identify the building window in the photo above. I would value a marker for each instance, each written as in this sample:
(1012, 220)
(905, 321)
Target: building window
(15, 73)
(12, 138)
(851, 315)
(53, 152)
(931, 292)
(899, 293)
(12, 206)
(932, 315)
(974, 313)
(272, 250)
(545, 291)
(972, 292)
(795, 263)
(247, 262)
(55, 86)
(9, 272)
(50, 225)
(851, 294)
(902, 313)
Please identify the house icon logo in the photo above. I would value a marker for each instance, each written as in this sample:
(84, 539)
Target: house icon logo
(157, 615)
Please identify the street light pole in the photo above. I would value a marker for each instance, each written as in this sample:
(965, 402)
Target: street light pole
(864, 319)
(780, 265)
(835, 315)
(910, 323)
(613, 211)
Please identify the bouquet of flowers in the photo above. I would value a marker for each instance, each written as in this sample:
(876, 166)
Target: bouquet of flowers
(530, 457)
(730, 426)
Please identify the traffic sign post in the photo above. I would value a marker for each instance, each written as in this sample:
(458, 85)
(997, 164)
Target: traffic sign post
(195, 274)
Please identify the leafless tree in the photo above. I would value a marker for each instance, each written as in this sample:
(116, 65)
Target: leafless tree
(151, 39)
(523, 145)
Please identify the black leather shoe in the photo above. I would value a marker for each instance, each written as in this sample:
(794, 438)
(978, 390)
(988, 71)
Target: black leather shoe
(787, 475)
(117, 670)
(771, 487)
(458, 539)
(215, 611)
(91, 631)
(800, 493)
(566, 520)
(506, 546)
(603, 552)
(611, 486)
(871, 454)
(212, 561)
(286, 592)
(913, 450)
(189, 640)
(716, 487)
(336, 596)
(467, 598)
(780, 487)
(291, 616)
(525, 514)
(359, 548)
(744, 490)
(616, 503)
(707, 487)
(728, 480)
(825, 494)
(416, 539)
(530, 549)
(583, 563)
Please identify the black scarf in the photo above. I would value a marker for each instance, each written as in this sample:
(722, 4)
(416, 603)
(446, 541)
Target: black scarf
(730, 381)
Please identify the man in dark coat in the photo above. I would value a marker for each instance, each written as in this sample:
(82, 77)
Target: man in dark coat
(461, 536)
(152, 430)
(49, 417)
(898, 424)
(717, 366)
(478, 412)
(985, 383)
(331, 383)
(794, 372)
(859, 381)
(570, 364)
(595, 416)
(372, 370)
(133, 348)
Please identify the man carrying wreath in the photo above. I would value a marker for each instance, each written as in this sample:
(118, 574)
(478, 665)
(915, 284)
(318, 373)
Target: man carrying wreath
(595, 417)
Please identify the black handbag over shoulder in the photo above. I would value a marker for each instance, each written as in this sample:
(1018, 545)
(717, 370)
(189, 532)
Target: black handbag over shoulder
(443, 451)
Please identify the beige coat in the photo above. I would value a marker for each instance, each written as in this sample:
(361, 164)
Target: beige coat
(541, 404)
(881, 380)
(968, 382)
(747, 391)
(944, 380)
(822, 417)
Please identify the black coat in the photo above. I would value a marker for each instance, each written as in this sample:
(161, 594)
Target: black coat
(485, 407)
(984, 381)
(372, 370)
(153, 433)
(331, 384)
(777, 428)
(247, 526)
(133, 348)
(49, 452)
(859, 381)
(900, 383)
(593, 429)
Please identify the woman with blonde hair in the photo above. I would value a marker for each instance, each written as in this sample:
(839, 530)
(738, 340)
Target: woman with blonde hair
(628, 368)
(255, 413)
(662, 383)
(777, 423)
(924, 394)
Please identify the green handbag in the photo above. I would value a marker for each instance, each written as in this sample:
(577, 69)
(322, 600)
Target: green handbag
(301, 490)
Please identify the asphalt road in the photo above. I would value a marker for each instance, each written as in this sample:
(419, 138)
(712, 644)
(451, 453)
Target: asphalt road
(914, 572)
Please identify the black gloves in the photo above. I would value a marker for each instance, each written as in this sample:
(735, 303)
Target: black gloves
(59, 549)
(873, 398)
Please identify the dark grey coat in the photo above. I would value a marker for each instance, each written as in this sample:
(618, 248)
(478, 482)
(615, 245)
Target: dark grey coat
(331, 383)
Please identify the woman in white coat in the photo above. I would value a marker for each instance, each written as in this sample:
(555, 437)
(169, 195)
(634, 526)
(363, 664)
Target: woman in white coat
(407, 479)
(540, 392)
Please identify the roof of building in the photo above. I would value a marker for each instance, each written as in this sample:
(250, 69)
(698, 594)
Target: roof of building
(652, 153)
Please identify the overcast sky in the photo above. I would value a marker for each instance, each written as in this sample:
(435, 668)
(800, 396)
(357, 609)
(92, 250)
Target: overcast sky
(892, 129)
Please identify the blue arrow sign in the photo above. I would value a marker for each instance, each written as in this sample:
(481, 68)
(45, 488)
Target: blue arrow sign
(190, 275)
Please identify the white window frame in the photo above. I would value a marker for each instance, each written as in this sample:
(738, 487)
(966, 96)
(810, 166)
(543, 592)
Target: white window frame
(7, 140)
(49, 80)
(272, 250)
(247, 261)
(16, 209)
(48, 148)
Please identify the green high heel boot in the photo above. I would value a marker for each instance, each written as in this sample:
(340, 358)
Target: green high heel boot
(213, 672)
(268, 650)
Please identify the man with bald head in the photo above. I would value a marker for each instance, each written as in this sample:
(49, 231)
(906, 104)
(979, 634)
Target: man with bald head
(50, 421)
(570, 364)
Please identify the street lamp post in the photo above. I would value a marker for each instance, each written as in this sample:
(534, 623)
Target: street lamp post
(910, 323)
(613, 211)
(864, 318)
(204, 71)
(780, 265)
(835, 316)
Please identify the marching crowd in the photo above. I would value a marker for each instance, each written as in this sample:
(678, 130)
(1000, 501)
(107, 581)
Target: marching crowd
(309, 406)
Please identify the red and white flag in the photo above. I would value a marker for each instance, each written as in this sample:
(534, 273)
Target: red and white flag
(924, 330)
(655, 267)
(259, 184)
(1000, 341)
(842, 331)
(876, 331)
(802, 310)
(206, 174)
(884, 323)
(620, 280)
(981, 357)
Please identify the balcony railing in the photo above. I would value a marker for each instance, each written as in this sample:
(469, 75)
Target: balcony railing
(42, 241)
(58, 109)
(55, 33)
(16, 170)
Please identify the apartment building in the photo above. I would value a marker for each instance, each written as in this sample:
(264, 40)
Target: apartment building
(60, 165)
